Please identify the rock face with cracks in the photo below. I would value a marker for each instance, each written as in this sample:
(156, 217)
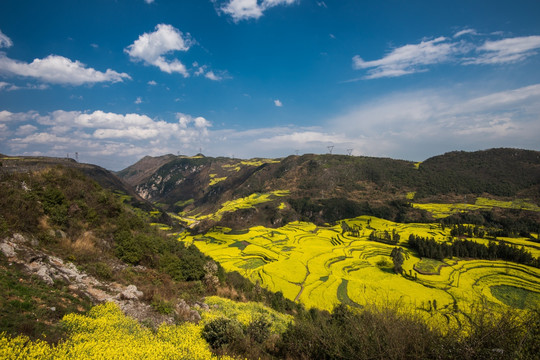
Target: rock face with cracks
(21, 250)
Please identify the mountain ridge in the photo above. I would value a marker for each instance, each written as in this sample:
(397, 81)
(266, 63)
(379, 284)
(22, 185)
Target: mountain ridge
(323, 187)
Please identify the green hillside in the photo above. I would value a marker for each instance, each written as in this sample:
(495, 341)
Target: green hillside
(314, 256)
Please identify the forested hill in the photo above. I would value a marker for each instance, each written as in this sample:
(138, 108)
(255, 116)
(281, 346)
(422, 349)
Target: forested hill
(503, 172)
(329, 187)
(105, 178)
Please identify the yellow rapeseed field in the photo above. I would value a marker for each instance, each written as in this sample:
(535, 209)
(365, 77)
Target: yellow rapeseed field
(323, 266)
(106, 333)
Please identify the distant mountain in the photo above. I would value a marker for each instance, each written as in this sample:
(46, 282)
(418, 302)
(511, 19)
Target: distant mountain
(324, 188)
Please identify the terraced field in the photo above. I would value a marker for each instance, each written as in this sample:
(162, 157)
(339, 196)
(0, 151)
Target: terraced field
(323, 266)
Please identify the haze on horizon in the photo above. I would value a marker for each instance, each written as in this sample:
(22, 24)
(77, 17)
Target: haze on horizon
(115, 81)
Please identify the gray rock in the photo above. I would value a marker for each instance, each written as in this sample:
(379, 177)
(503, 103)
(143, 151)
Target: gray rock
(8, 250)
(18, 238)
(45, 275)
(131, 293)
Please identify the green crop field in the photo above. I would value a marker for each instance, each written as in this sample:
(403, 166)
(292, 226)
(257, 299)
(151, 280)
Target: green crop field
(323, 266)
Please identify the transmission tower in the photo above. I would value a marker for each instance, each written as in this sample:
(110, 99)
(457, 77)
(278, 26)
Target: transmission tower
(77, 156)
(330, 148)
(296, 151)
(349, 152)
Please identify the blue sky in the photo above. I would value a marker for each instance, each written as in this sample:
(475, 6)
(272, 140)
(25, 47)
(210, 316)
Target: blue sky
(117, 80)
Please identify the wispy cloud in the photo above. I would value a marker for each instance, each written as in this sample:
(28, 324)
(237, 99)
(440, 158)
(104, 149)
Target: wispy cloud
(278, 103)
(415, 125)
(12, 87)
(151, 48)
(5, 41)
(414, 58)
(248, 9)
(465, 32)
(506, 50)
(408, 59)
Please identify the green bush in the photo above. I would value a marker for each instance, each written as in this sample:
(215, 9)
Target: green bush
(222, 332)
(162, 306)
(259, 330)
(128, 248)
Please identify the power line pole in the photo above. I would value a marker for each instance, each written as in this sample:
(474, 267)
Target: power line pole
(349, 152)
(330, 148)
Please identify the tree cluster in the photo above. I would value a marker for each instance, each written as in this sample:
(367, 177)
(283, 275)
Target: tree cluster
(470, 249)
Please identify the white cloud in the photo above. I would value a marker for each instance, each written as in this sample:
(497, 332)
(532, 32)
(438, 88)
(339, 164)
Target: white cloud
(210, 75)
(138, 100)
(507, 50)
(416, 125)
(278, 103)
(303, 138)
(26, 130)
(148, 1)
(152, 82)
(5, 41)
(322, 4)
(250, 9)
(413, 58)
(59, 70)
(5, 115)
(465, 32)
(408, 59)
(412, 125)
(109, 139)
(11, 87)
(151, 48)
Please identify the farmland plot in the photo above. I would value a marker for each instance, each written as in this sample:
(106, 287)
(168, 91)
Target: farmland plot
(323, 266)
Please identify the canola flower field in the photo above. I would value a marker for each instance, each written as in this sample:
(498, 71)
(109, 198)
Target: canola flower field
(106, 333)
(324, 266)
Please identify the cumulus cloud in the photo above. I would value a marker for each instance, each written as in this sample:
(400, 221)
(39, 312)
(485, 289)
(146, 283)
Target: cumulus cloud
(278, 103)
(152, 82)
(57, 69)
(212, 76)
(54, 69)
(98, 135)
(138, 100)
(249, 9)
(412, 125)
(151, 48)
(5, 41)
(148, 1)
(414, 58)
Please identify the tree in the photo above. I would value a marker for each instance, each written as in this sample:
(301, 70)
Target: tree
(398, 257)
